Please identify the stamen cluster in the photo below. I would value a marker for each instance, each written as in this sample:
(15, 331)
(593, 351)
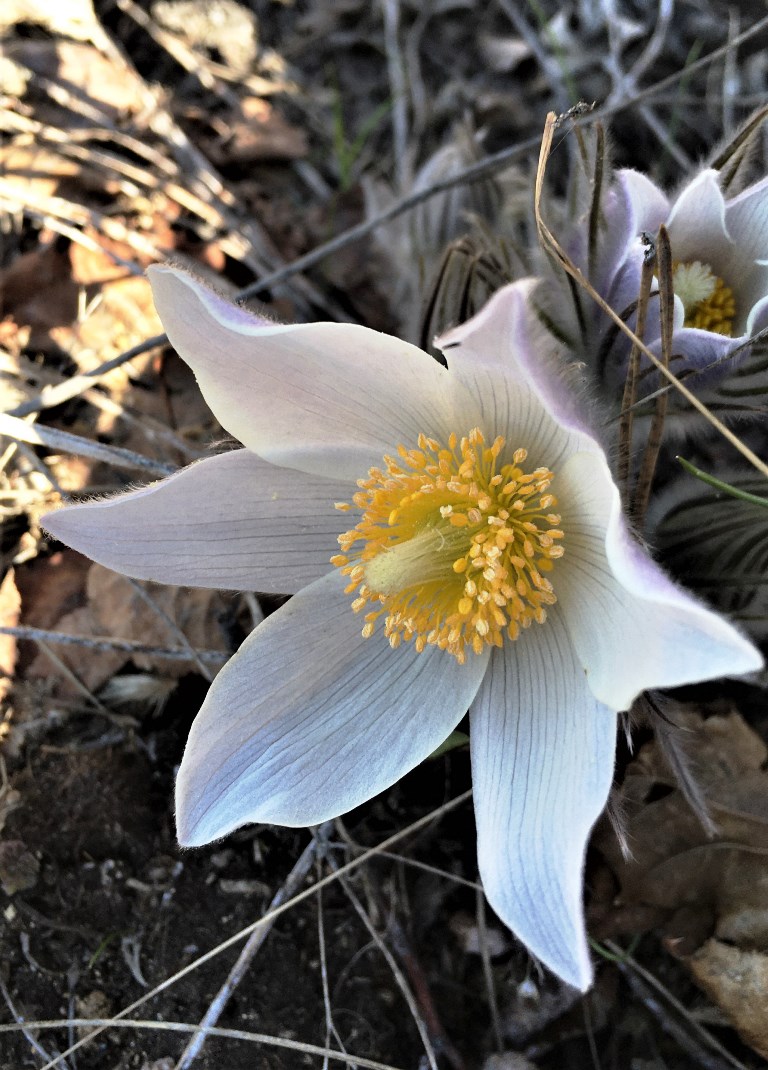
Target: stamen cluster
(708, 302)
(452, 546)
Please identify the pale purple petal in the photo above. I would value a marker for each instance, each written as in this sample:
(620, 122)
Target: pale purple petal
(308, 719)
(746, 218)
(329, 398)
(706, 352)
(508, 362)
(758, 317)
(617, 235)
(542, 763)
(647, 204)
(233, 521)
(631, 626)
(696, 225)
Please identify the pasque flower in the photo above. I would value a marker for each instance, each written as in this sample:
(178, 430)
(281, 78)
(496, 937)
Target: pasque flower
(453, 539)
(719, 247)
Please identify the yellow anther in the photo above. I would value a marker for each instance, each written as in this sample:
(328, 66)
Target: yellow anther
(452, 544)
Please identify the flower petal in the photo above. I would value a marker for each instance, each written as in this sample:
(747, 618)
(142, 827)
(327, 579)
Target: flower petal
(758, 317)
(746, 218)
(309, 719)
(702, 350)
(696, 224)
(505, 359)
(648, 205)
(329, 398)
(233, 521)
(542, 764)
(631, 626)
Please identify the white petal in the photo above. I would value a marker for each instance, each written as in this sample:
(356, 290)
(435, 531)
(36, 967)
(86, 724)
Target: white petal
(746, 217)
(309, 720)
(542, 763)
(233, 521)
(758, 316)
(631, 626)
(648, 205)
(696, 225)
(505, 360)
(329, 398)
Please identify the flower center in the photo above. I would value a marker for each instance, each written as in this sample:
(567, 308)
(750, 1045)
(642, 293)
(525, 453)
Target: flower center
(452, 545)
(709, 304)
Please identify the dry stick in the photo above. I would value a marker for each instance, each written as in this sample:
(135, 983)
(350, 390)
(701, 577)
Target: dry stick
(172, 627)
(474, 171)
(50, 396)
(490, 986)
(330, 1027)
(398, 88)
(289, 887)
(74, 679)
(630, 386)
(642, 493)
(54, 439)
(552, 245)
(348, 867)
(106, 644)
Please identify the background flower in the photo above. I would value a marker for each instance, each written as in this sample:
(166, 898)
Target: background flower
(720, 272)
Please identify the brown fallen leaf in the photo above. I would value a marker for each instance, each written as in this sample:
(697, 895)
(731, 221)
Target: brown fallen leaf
(37, 290)
(737, 981)
(113, 606)
(709, 895)
(673, 862)
(254, 131)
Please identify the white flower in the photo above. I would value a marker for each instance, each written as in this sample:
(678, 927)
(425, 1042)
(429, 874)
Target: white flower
(483, 525)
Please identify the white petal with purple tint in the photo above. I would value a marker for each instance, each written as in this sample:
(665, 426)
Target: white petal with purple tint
(327, 398)
(542, 763)
(632, 628)
(309, 720)
(234, 522)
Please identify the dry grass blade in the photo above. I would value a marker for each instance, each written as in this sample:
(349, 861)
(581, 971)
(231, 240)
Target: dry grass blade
(642, 493)
(626, 417)
(555, 249)
(729, 160)
(100, 1024)
(400, 980)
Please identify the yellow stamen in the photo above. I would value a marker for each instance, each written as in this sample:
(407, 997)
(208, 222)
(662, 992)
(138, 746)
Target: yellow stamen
(452, 545)
(708, 302)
